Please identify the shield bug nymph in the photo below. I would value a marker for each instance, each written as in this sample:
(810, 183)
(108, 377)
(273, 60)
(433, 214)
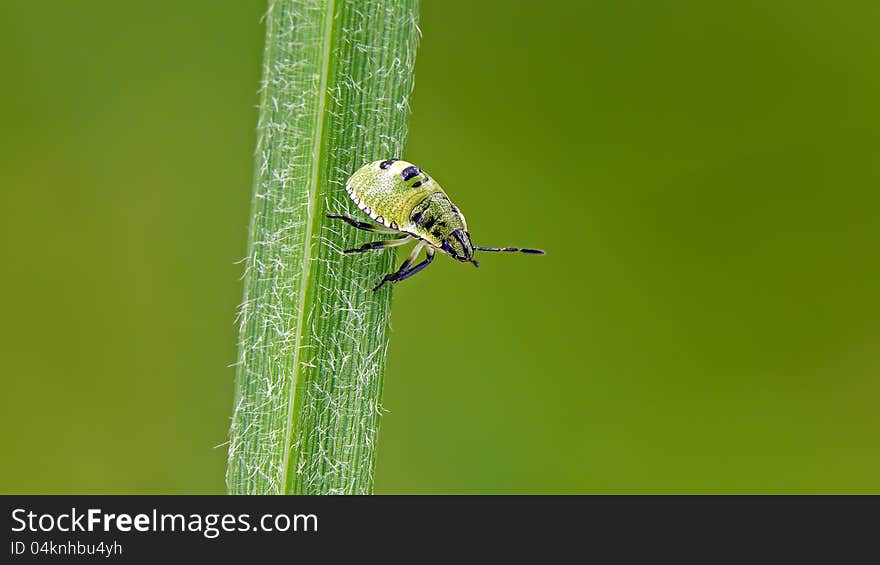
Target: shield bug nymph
(412, 206)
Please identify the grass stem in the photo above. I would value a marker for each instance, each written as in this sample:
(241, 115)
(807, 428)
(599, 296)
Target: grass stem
(337, 81)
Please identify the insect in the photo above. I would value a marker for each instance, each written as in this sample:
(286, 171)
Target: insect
(410, 205)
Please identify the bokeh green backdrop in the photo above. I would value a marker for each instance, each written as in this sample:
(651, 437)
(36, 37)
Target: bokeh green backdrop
(703, 175)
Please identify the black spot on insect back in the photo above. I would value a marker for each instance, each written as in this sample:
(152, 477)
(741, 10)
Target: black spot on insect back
(417, 184)
(386, 164)
(410, 172)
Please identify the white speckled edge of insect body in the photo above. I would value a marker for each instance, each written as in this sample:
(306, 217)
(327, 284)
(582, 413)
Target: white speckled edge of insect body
(366, 209)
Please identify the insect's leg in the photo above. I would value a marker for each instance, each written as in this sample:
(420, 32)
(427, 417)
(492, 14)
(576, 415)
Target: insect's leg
(400, 240)
(362, 225)
(405, 271)
(429, 256)
(403, 266)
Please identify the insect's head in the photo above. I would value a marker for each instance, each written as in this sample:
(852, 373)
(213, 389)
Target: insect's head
(458, 246)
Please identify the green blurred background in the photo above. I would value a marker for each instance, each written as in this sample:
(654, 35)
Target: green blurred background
(703, 176)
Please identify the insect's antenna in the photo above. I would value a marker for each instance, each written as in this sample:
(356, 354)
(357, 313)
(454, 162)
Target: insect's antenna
(511, 250)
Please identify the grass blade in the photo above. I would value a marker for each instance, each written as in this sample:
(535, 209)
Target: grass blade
(337, 79)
